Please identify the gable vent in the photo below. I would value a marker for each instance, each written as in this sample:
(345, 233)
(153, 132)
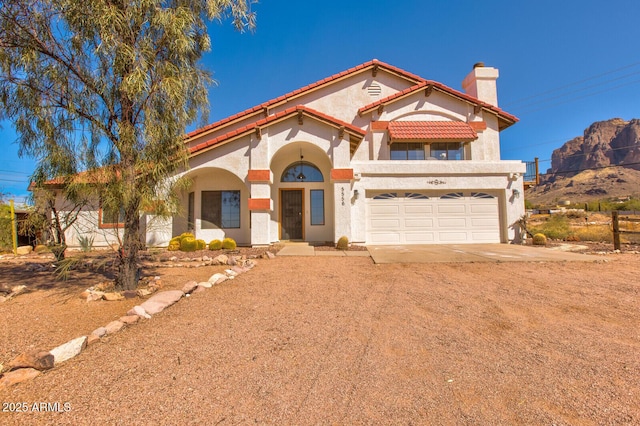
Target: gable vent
(374, 90)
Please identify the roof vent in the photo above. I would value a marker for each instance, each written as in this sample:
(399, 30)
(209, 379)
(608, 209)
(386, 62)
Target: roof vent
(374, 90)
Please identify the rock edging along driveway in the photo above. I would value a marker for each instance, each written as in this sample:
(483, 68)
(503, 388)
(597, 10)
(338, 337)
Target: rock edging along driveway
(29, 365)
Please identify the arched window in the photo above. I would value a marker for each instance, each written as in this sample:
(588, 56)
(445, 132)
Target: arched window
(302, 171)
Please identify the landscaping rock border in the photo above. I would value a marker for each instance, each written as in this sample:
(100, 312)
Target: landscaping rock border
(27, 366)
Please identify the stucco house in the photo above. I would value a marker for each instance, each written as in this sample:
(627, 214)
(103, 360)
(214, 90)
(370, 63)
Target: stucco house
(374, 153)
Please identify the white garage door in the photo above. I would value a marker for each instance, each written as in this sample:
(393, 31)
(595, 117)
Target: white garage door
(422, 218)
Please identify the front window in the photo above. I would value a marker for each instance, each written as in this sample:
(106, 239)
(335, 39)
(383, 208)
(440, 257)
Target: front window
(407, 151)
(447, 151)
(220, 209)
(111, 218)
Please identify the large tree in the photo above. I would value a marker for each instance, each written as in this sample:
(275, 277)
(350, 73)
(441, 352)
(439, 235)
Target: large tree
(109, 85)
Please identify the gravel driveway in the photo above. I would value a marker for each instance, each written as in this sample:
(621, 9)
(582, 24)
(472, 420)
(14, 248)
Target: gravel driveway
(343, 341)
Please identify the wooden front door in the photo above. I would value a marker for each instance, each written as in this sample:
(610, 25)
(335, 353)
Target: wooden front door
(291, 217)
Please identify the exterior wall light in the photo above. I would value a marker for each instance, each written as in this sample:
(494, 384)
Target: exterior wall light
(516, 193)
(356, 194)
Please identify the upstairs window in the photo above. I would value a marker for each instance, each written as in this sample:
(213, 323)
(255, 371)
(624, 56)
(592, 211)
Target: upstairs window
(407, 151)
(446, 151)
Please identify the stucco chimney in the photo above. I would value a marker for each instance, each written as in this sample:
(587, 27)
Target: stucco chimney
(481, 83)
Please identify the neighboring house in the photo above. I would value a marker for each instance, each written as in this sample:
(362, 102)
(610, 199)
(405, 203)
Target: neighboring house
(373, 153)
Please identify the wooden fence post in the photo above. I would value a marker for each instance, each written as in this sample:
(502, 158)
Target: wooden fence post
(616, 230)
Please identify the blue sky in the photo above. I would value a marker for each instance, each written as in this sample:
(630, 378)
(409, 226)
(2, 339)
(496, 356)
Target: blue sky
(563, 64)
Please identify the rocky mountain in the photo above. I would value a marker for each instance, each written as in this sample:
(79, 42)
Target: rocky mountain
(604, 163)
(613, 142)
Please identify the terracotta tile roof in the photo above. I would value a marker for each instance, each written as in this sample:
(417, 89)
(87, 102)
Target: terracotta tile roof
(236, 133)
(506, 119)
(303, 90)
(431, 130)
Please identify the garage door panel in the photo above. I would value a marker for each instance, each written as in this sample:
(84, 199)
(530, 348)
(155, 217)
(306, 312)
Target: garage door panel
(385, 223)
(451, 208)
(418, 223)
(424, 209)
(452, 237)
(484, 222)
(382, 209)
(420, 237)
(484, 208)
(464, 218)
(454, 223)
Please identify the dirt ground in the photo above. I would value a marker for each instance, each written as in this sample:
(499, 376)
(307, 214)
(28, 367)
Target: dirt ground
(338, 340)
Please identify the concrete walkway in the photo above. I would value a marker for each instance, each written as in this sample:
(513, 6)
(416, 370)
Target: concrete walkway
(304, 249)
(430, 253)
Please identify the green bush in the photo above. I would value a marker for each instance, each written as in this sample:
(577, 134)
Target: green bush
(557, 227)
(228, 244)
(215, 245)
(343, 243)
(188, 244)
(202, 244)
(539, 240)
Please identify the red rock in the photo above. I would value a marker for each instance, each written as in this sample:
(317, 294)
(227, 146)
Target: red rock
(159, 301)
(17, 376)
(130, 294)
(129, 319)
(113, 297)
(114, 327)
(189, 287)
(92, 338)
(39, 360)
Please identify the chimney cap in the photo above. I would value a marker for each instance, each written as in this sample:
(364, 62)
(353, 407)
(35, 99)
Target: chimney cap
(478, 65)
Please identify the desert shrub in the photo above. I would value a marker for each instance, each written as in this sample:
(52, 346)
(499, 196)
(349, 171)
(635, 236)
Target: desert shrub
(215, 245)
(597, 233)
(188, 244)
(86, 243)
(202, 244)
(556, 227)
(343, 243)
(539, 240)
(229, 244)
(574, 238)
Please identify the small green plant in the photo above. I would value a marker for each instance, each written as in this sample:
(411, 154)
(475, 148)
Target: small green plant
(186, 235)
(86, 243)
(343, 243)
(215, 245)
(229, 244)
(202, 244)
(174, 244)
(188, 244)
(539, 240)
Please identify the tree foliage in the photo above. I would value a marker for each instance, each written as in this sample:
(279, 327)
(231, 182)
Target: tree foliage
(109, 85)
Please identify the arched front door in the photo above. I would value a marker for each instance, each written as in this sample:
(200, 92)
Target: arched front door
(292, 200)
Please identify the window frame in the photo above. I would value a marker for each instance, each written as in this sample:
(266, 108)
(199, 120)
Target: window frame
(447, 150)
